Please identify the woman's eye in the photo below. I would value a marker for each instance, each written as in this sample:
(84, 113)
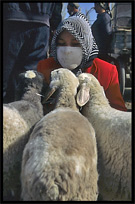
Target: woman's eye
(61, 44)
(65, 44)
(76, 45)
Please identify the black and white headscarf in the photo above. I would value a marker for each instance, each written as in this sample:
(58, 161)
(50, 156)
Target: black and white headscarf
(81, 30)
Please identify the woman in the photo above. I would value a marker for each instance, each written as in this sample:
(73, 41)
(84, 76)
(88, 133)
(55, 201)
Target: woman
(73, 48)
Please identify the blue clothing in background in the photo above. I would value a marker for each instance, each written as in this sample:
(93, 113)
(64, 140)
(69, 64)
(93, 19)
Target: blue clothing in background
(24, 46)
(102, 32)
(26, 32)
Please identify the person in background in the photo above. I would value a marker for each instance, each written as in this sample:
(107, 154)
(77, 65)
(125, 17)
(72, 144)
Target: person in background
(73, 48)
(102, 30)
(72, 8)
(26, 31)
(74, 11)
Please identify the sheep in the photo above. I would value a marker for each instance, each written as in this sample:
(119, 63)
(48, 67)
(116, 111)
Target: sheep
(19, 117)
(60, 159)
(113, 134)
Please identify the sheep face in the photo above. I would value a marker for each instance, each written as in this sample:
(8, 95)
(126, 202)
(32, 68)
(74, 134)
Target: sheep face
(89, 86)
(27, 80)
(59, 76)
(62, 79)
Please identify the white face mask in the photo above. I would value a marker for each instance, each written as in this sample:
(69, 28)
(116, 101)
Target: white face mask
(69, 57)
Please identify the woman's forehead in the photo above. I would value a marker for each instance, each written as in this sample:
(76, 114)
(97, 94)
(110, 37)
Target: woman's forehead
(66, 35)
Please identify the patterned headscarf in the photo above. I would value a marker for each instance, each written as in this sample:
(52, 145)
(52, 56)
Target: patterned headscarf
(81, 30)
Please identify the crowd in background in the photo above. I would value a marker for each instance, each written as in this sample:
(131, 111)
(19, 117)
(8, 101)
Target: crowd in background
(29, 32)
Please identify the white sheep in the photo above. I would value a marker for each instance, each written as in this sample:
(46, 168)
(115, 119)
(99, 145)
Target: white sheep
(113, 134)
(19, 117)
(60, 159)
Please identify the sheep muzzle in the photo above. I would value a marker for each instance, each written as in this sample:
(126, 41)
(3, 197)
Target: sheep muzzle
(48, 94)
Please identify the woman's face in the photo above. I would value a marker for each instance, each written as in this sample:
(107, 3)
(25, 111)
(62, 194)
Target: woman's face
(66, 39)
(69, 50)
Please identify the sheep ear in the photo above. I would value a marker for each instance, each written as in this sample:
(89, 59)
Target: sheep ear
(49, 93)
(83, 95)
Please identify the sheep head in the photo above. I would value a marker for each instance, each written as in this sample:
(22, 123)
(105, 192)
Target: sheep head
(89, 86)
(62, 78)
(30, 79)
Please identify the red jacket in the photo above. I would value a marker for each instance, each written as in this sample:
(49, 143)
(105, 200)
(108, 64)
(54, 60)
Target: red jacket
(105, 72)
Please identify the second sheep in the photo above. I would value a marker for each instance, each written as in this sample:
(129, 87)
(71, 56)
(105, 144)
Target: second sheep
(60, 159)
(19, 117)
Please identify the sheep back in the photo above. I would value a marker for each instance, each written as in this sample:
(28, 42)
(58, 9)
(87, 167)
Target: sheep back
(12, 151)
(60, 161)
(113, 134)
(19, 117)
